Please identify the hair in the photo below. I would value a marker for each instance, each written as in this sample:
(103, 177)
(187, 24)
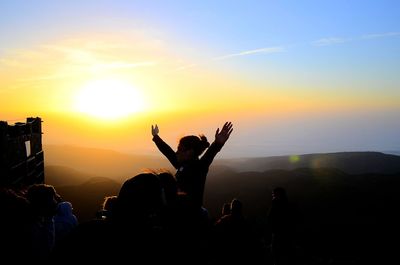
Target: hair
(280, 194)
(139, 196)
(197, 143)
(236, 207)
(226, 209)
(109, 202)
(43, 199)
(169, 186)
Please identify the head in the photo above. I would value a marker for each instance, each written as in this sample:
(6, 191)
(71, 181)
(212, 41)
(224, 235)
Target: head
(236, 207)
(139, 197)
(226, 209)
(169, 187)
(43, 199)
(191, 147)
(279, 194)
(109, 202)
(107, 207)
(64, 208)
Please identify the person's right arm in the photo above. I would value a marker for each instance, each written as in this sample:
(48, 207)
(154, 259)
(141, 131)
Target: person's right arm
(164, 148)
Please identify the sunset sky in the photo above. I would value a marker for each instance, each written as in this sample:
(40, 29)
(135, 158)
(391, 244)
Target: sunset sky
(293, 76)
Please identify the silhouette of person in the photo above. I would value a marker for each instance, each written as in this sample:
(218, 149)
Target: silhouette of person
(169, 188)
(226, 209)
(191, 168)
(281, 220)
(132, 233)
(233, 213)
(64, 220)
(43, 199)
(15, 228)
(235, 242)
(107, 207)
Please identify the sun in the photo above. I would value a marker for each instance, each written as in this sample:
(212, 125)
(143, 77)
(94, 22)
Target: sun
(109, 99)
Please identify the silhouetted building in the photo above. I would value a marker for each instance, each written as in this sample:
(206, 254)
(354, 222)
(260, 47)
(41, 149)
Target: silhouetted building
(21, 154)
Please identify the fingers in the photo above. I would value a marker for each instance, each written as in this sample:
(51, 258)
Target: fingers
(229, 131)
(154, 129)
(217, 132)
(228, 127)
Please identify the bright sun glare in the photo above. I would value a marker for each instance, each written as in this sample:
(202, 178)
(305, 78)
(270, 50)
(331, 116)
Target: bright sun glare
(109, 99)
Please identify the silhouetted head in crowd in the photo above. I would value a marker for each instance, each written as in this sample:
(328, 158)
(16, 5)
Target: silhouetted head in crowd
(107, 207)
(279, 194)
(43, 199)
(191, 147)
(226, 209)
(236, 207)
(139, 198)
(109, 203)
(169, 187)
(13, 206)
(64, 209)
(15, 228)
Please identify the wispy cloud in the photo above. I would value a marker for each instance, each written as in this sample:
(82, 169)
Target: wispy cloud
(120, 65)
(10, 62)
(338, 40)
(381, 35)
(89, 68)
(330, 41)
(250, 52)
(181, 68)
(62, 61)
(232, 55)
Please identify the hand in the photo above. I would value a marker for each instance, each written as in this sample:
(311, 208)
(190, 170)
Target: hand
(222, 136)
(154, 130)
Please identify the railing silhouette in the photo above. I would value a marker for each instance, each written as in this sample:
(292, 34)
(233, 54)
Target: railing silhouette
(21, 153)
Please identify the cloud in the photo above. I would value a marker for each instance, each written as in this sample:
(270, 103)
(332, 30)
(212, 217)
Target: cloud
(329, 41)
(120, 65)
(381, 35)
(11, 63)
(251, 52)
(336, 40)
(181, 68)
(90, 68)
(69, 60)
(228, 56)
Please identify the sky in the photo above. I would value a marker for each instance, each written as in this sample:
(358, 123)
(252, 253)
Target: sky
(294, 77)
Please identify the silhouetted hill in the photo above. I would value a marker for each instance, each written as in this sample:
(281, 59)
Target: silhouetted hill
(88, 197)
(349, 162)
(101, 162)
(119, 166)
(62, 176)
(392, 152)
(85, 191)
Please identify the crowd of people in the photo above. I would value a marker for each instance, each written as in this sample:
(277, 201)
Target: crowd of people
(157, 217)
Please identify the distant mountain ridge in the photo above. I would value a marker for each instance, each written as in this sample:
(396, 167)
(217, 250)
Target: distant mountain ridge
(349, 162)
(101, 162)
(119, 166)
(392, 152)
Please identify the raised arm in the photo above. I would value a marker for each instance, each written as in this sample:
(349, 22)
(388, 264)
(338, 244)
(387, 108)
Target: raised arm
(220, 139)
(164, 148)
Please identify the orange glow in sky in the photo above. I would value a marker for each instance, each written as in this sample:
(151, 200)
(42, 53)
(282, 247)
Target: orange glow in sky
(102, 78)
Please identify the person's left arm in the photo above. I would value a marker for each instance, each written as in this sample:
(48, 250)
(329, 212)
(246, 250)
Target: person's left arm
(220, 139)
